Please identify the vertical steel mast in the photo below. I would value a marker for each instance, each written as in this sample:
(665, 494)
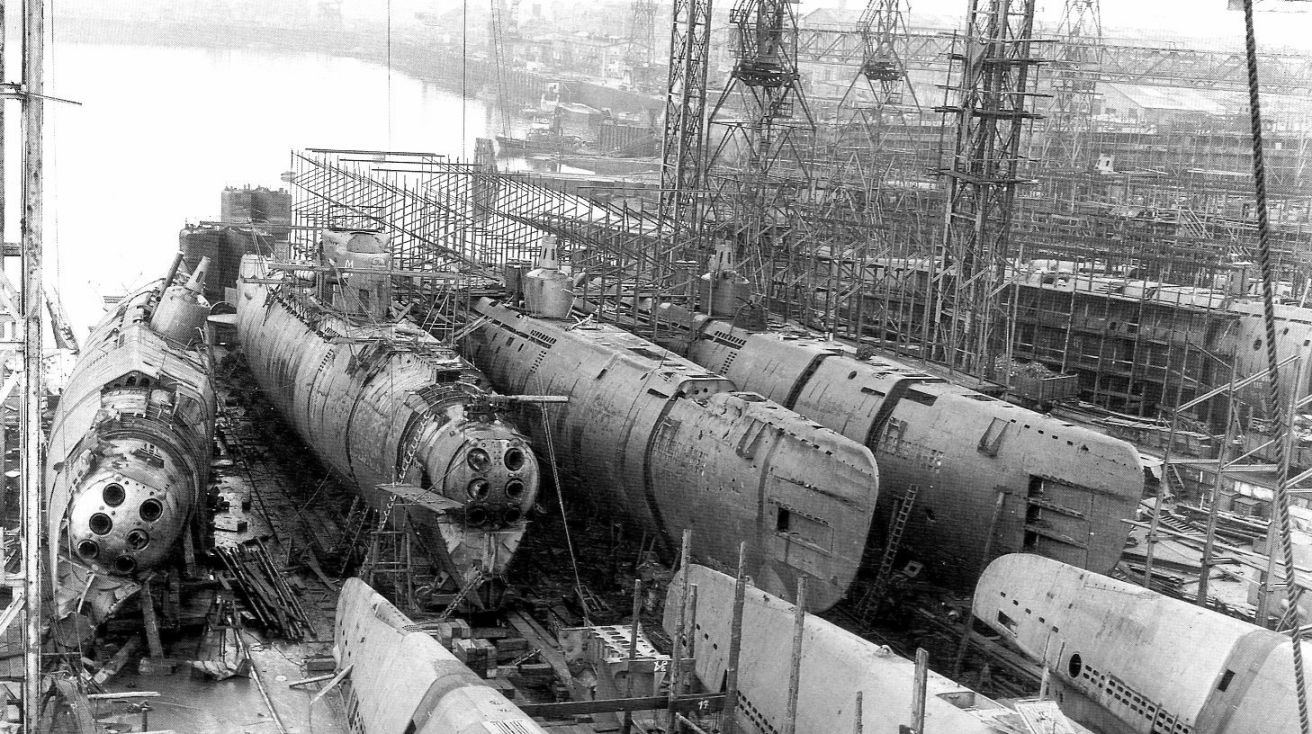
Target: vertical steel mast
(683, 155)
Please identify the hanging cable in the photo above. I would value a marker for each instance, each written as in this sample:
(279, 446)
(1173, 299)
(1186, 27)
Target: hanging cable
(564, 520)
(1282, 423)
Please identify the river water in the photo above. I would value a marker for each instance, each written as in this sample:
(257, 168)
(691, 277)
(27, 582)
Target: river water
(161, 131)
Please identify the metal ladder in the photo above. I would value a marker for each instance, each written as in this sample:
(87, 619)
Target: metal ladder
(870, 601)
(473, 583)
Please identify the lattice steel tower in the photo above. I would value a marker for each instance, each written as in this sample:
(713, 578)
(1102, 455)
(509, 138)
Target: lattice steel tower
(683, 153)
(760, 169)
(986, 116)
(1075, 68)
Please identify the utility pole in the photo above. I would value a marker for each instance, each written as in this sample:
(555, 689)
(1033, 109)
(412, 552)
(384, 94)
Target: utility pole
(30, 424)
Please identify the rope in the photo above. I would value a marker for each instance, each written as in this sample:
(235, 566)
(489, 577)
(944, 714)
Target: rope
(1273, 396)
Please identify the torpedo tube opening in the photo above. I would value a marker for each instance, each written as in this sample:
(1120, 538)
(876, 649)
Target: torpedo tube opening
(114, 494)
(88, 549)
(151, 510)
(476, 516)
(100, 524)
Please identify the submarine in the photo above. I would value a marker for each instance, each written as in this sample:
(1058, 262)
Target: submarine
(402, 681)
(985, 477)
(1122, 658)
(129, 449)
(398, 416)
(669, 446)
(836, 666)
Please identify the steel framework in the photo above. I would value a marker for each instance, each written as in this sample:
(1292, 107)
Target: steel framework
(759, 172)
(683, 153)
(987, 120)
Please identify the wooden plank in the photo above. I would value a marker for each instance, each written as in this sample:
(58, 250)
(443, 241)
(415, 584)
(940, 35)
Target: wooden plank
(542, 640)
(78, 705)
(148, 618)
(122, 694)
(711, 702)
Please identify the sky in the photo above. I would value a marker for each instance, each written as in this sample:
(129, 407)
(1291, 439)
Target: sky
(1280, 23)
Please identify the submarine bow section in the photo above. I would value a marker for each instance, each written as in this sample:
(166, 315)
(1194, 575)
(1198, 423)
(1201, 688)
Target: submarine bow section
(400, 418)
(671, 447)
(129, 449)
(402, 680)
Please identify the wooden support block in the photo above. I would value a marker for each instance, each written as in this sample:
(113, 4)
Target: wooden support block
(229, 524)
(152, 626)
(320, 664)
(157, 666)
(116, 663)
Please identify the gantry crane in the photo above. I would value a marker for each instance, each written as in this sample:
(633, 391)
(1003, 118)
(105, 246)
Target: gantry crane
(760, 170)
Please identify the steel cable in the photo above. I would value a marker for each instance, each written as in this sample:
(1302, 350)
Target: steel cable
(1282, 423)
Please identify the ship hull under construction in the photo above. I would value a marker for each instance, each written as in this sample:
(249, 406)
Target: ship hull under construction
(1122, 658)
(129, 456)
(988, 477)
(401, 419)
(671, 447)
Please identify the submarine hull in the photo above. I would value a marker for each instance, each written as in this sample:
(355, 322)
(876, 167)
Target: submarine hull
(990, 477)
(128, 459)
(403, 681)
(400, 419)
(1191, 670)
(836, 665)
(669, 446)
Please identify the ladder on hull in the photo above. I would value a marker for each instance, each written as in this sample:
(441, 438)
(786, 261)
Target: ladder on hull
(870, 601)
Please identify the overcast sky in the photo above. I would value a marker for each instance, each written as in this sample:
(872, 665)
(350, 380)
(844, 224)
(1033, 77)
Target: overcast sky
(1286, 23)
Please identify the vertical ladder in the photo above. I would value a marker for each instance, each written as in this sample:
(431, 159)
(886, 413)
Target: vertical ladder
(870, 602)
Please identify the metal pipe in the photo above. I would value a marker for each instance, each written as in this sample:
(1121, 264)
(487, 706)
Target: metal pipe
(173, 271)
(859, 724)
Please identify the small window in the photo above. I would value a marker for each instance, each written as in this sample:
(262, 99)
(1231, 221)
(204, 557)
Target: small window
(1007, 622)
(1226, 677)
(1075, 666)
(781, 521)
